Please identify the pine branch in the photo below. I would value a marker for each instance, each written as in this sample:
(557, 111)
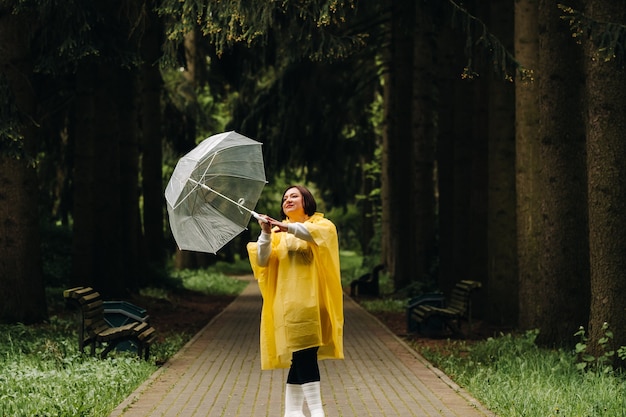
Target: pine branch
(504, 63)
(608, 37)
(311, 28)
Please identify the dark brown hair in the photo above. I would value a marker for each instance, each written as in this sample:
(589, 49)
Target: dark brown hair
(308, 201)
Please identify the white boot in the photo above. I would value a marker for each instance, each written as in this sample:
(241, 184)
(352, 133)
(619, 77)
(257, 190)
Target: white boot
(313, 396)
(294, 399)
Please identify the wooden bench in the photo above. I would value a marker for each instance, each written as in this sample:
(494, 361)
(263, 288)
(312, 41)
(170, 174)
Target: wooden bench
(367, 284)
(450, 315)
(95, 331)
(436, 299)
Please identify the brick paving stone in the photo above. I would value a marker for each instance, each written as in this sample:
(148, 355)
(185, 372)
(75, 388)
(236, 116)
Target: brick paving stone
(218, 373)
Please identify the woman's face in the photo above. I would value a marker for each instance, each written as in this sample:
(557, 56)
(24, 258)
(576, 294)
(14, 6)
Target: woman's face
(293, 205)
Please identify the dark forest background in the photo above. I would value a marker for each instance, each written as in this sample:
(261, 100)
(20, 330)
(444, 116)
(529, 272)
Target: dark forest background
(450, 140)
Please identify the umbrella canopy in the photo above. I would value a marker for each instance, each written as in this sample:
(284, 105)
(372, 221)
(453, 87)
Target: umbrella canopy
(213, 191)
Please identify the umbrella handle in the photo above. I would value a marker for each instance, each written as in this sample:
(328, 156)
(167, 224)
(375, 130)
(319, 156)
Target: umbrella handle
(258, 217)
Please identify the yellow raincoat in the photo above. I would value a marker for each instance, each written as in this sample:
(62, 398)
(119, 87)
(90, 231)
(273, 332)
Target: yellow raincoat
(302, 294)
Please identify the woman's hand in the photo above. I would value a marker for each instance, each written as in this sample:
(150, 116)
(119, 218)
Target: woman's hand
(266, 223)
(281, 227)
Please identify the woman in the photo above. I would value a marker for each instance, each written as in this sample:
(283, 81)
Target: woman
(296, 263)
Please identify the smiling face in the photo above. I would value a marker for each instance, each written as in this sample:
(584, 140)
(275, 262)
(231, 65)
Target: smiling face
(298, 203)
(293, 204)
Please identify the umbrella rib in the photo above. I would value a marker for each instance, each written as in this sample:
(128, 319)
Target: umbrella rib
(206, 187)
(197, 183)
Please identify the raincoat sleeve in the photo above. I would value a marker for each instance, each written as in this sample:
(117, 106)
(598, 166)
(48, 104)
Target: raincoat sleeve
(300, 231)
(263, 248)
(263, 242)
(263, 269)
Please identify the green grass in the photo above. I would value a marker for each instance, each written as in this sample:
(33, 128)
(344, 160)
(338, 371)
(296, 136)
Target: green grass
(384, 305)
(353, 266)
(240, 266)
(210, 282)
(515, 378)
(510, 375)
(42, 372)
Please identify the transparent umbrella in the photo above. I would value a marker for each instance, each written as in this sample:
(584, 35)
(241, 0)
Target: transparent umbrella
(213, 191)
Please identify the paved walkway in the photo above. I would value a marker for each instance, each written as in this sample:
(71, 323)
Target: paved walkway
(218, 373)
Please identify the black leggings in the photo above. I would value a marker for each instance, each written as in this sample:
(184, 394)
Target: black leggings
(304, 367)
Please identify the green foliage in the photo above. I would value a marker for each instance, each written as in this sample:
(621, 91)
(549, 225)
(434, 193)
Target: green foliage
(93, 30)
(264, 53)
(307, 28)
(347, 222)
(240, 266)
(210, 112)
(351, 265)
(168, 346)
(390, 305)
(609, 38)
(514, 378)
(217, 279)
(350, 262)
(354, 265)
(604, 361)
(43, 374)
(480, 39)
(209, 282)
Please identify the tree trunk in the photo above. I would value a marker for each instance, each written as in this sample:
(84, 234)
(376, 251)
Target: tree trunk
(424, 133)
(527, 161)
(606, 168)
(398, 222)
(22, 295)
(131, 253)
(562, 297)
(409, 147)
(97, 227)
(83, 243)
(107, 229)
(193, 74)
(475, 180)
(454, 162)
(500, 292)
(107, 220)
(152, 135)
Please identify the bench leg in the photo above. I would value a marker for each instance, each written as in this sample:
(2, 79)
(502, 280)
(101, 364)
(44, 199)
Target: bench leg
(109, 347)
(455, 328)
(140, 349)
(146, 352)
(143, 348)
